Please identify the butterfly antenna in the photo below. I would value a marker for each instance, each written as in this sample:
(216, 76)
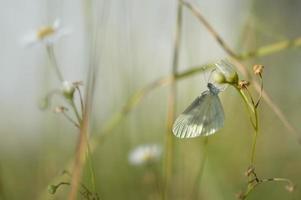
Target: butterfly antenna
(210, 75)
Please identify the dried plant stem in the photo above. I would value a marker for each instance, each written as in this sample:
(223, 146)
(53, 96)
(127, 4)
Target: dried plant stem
(79, 159)
(52, 58)
(197, 13)
(169, 143)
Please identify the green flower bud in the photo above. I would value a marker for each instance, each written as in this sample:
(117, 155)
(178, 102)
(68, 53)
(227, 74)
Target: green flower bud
(219, 77)
(232, 78)
(68, 89)
(52, 189)
(227, 69)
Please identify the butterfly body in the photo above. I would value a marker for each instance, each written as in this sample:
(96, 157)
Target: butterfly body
(203, 117)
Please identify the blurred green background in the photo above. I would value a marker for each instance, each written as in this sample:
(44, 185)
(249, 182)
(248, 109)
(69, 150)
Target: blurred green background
(135, 48)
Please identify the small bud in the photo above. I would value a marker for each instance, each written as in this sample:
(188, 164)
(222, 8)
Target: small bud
(243, 84)
(60, 109)
(52, 189)
(258, 69)
(219, 77)
(290, 187)
(68, 89)
(250, 170)
(232, 78)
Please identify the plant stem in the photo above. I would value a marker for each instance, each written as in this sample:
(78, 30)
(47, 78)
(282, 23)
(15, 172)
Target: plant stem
(253, 186)
(52, 58)
(71, 120)
(254, 138)
(172, 104)
(75, 111)
(197, 13)
(90, 163)
(253, 115)
(271, 49)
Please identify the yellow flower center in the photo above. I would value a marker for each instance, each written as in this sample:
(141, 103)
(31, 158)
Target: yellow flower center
(45, 31)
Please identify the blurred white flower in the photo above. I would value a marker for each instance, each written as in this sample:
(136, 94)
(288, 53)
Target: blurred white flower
(68, 89)
(145, 154)
(45, 35)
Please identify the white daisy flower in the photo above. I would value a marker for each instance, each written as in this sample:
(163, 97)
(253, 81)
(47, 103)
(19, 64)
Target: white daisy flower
(145, 154)
(46, 35)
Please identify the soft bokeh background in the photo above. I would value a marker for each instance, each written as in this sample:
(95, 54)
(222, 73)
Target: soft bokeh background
(134, 48)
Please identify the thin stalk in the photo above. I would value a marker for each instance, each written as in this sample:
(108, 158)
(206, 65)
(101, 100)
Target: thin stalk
(261, 89)
(79, 159)
(52, 58)
(198, 179)
(71, 120)
(254, 138)
(249, 105)
(271, 49)
(90, 163)
(197, 13)
(253, 112)
(75, 111)
(81, 99)
(172, 104)
(251, 187)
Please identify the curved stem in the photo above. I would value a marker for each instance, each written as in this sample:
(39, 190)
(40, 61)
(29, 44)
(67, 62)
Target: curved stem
(251, 187)
(52, 58)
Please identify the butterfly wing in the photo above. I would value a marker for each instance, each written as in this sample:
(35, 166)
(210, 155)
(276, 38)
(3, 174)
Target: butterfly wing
(203, 117)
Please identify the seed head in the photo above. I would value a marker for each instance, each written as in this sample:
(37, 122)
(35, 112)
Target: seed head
(258, 69)
(243, 84)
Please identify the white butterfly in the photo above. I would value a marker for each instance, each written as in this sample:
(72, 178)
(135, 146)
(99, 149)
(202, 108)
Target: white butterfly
(203, 117)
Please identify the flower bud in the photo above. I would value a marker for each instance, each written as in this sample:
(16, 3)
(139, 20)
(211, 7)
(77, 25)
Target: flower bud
(68, 89)
(290, 188)
(243, 84)
(219, 77)
(60, 109)
(258, 69)
(52, 189)
(227, 69)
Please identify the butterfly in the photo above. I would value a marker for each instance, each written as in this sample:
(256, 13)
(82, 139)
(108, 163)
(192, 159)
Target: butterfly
(203, 117)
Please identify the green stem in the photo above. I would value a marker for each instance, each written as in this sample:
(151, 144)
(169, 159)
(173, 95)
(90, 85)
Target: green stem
(253, 112)
(90, 163)
(52, 58)
(75, 111)
(254, 138)
(251, 187)
(169, 144)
